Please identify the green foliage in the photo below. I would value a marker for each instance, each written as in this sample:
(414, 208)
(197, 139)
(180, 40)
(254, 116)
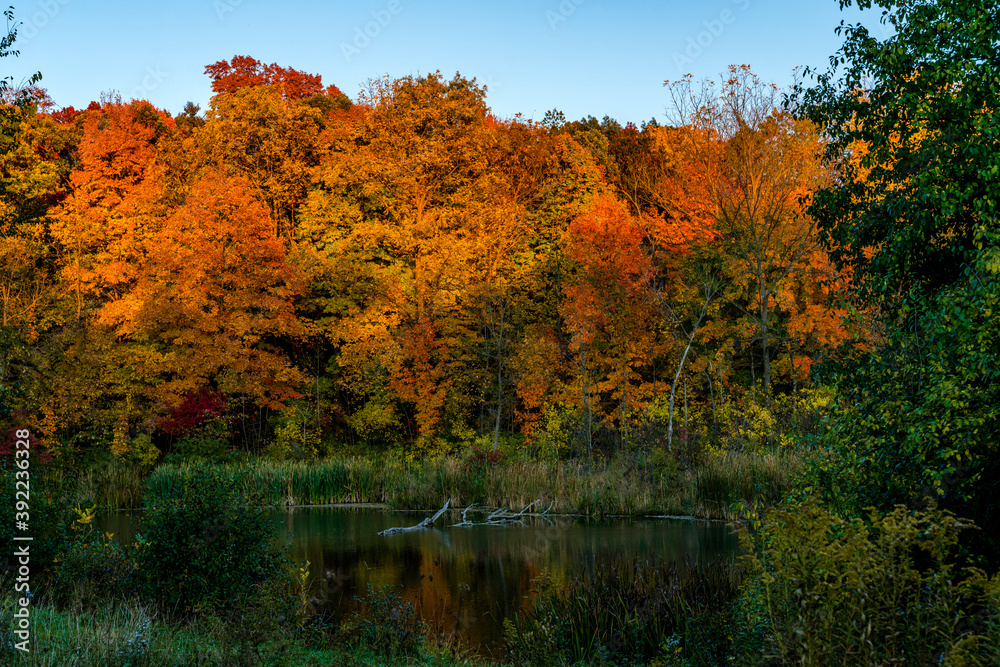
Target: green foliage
(208, 442)
(205, 540)
(387, 625)
(92, 568)
(917, 419)
(913, 219)
(905, 217)
(50, 513)
(842, 591)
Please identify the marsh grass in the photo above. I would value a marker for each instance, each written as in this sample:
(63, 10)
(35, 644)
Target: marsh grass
(720, 487)
(630, 611)
(732, 485)
(113, 486)
(124, 634)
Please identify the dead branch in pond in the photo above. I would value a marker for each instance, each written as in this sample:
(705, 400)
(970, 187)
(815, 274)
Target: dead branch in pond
(426, 523)
(500, 515)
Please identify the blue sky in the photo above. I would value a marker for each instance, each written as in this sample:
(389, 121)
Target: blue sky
(584, 57)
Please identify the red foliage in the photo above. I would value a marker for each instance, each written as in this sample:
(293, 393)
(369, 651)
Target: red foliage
(8, 439)
(196, 409)
(245, 71)
(65, 115)
(480, 458)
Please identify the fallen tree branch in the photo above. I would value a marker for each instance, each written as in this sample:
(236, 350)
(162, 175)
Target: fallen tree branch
(503, 515)
(465, 521)
(426, 523)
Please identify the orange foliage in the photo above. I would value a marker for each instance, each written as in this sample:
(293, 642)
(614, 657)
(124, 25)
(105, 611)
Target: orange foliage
(421, 375)
(607, 241)
(213, 286)
(244, 72)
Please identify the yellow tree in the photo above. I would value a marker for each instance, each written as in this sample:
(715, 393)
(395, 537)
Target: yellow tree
(257, 133)
(396, 200)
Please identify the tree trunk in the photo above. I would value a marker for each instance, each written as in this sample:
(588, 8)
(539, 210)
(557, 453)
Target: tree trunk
(426, 523)
(763, 344)
(673, 391)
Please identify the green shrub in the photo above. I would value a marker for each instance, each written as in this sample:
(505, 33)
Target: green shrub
(92, 569)
(883, 592)
(204, 540)
(49, 514)
(386, 625)
(206, 443)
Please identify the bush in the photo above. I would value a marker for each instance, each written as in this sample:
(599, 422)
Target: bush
(293, 441)
(387, 625)
(203, 540)
(92, 568)
(50, 514)
(886, 592)
(206, 443)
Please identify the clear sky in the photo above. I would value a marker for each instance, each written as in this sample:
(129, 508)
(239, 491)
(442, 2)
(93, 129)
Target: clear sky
(584, 57)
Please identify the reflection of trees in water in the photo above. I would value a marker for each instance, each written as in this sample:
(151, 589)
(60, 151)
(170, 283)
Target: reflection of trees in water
(465, 580)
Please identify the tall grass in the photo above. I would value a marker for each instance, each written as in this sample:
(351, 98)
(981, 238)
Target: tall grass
(717, 488)
(630, 611)
(730, 485)
(115, 486)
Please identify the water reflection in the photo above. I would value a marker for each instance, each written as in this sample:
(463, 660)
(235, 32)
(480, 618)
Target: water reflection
(465, 580)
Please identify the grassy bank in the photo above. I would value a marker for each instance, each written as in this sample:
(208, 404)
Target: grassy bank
(131, 635)
(718, 488)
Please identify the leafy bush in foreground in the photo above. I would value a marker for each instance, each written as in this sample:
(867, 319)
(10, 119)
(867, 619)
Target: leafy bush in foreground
(204, 540)
(842, 591)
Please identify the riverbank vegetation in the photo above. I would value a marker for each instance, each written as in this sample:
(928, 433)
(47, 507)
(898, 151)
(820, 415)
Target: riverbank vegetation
(782, 309)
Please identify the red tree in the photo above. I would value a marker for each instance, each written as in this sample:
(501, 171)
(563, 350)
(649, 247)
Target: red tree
(245, 71)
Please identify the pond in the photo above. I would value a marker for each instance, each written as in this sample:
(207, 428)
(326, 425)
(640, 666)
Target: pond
(465, 580)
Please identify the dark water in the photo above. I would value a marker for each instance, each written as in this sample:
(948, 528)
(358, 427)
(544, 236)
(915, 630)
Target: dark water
(465, 580)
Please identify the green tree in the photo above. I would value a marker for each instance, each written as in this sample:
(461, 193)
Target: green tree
(7, 49)
(913, 215)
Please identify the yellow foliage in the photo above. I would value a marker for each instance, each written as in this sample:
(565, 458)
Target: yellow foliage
(143, 451)
(555, 435)
(86, 516)
(293, 440)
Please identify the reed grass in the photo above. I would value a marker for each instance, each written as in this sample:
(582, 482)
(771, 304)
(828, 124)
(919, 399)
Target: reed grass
(112, 486)
(630, 611)
(731, 485)
(721, 487)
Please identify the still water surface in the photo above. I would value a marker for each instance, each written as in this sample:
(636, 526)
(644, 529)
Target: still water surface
(465, 580)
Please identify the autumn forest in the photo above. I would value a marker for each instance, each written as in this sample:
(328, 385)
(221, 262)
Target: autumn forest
(407, 270)
(717, 389)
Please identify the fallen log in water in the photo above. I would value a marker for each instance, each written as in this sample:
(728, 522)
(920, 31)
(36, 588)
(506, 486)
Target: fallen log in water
(426, 523)
(500, 515)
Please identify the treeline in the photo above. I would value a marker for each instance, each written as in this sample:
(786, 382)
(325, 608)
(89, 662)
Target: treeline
(407, 270)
